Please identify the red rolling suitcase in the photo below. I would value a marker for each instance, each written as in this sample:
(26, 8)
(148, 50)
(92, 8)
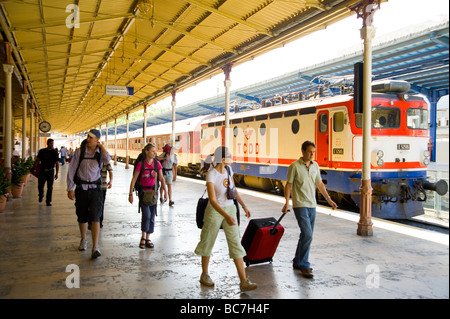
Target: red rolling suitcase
(261, 239)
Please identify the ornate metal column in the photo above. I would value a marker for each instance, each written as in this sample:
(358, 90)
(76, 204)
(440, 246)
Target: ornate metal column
(366, 10)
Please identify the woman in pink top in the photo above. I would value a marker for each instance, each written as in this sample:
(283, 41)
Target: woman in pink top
(147, 180)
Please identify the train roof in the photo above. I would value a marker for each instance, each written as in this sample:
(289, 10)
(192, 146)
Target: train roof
(181, 126)
(283, 107)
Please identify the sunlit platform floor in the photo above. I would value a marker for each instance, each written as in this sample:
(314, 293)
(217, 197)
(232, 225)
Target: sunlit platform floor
(38, 243)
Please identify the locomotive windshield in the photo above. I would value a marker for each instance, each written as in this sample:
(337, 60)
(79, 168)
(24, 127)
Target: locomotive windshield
(417, 119)
(382, 118)
(385, 117)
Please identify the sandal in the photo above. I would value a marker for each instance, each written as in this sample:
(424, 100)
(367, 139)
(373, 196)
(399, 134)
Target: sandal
(149, 244)
(142, 243)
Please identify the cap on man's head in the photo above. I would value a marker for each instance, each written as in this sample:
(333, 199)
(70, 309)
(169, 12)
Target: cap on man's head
(94, 133)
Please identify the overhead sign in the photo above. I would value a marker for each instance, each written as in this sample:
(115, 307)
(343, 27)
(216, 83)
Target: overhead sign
(119, 90)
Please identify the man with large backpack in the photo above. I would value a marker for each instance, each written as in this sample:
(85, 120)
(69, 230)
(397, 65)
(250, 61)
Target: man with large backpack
(84, 173)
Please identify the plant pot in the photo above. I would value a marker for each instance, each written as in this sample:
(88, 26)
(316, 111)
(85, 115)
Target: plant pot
(17, 191)
(3, 200)
(25, 178)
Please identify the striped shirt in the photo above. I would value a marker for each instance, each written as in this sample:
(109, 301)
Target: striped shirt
(104, 172)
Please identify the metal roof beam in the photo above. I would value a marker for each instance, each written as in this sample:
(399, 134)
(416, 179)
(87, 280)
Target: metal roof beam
(248, 97)
(231, 17)
(185, 114)
(190, 34)
(71, 55)
(209, 107)
(169, 48)
(61, 68)
(157, 63)
(64, 42)
(63, 23)
(163, 119)
(440, 37)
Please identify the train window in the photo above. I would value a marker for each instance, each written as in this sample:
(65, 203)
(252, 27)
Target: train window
(236, 121)
(290, 113)
(249, 119)
(295, 126)
(308, 110)
(385, 117)
(262, 117)
(323, 123)
(276, 115)
(417, 119)
(338, 121)
(262, 129)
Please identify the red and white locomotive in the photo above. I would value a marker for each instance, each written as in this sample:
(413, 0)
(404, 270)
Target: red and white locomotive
(266, 141)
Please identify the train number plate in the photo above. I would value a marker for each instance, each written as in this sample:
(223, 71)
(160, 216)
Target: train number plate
(403, 147)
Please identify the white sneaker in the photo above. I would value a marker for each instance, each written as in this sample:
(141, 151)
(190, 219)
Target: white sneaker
(206, 280)
(247, 286)
(95, 253)
(83, 245)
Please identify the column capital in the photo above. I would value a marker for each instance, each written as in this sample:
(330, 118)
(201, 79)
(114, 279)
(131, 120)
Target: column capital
(227, 83)
(24, 96)
(368, 32)
(8, 69)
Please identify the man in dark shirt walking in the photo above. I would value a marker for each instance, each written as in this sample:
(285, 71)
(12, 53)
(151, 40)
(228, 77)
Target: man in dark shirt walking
(48, 159)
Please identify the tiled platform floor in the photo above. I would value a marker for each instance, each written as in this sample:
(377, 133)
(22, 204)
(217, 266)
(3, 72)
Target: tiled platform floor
(37, 243)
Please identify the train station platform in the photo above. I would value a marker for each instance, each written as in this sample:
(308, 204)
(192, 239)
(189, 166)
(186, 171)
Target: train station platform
(39, 255)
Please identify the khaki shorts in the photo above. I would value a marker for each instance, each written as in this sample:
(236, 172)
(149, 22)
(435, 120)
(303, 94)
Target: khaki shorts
(212, 222)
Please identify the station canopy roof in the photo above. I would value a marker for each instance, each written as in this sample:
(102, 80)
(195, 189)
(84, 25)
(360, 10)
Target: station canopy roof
(417, 55)
(69, 53)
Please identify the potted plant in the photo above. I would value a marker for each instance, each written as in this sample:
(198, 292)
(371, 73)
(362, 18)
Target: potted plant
(17, 173)
(28, 164)
(4, 187)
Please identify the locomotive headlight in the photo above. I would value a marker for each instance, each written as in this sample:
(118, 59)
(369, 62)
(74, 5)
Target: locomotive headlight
(380, 161)
(426, 155)
(404, 96)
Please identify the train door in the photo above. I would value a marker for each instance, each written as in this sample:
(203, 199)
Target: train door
(338, 130)
(322, 138)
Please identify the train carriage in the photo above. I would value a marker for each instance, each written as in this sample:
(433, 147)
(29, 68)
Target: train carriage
(187, 142)
(264, 142)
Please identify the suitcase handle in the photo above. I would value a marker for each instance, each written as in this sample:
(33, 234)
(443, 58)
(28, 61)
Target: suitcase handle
(274, 230)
